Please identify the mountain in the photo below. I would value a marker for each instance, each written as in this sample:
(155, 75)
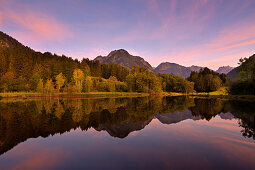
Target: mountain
(123, 58)
(234, 73)
(195, 68)
(224, 69)
(176, 69)
(7, 41)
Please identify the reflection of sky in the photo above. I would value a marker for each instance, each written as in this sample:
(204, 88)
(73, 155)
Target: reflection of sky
(210, 33)
(188, 144)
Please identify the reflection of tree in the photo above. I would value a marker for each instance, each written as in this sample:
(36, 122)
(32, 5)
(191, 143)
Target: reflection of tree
(59, 110)
(48, 105)
(245, 111)
(207, 108)
(77, 110)
(87, 106)
(118, 116)
(248, 130)
(173, 104)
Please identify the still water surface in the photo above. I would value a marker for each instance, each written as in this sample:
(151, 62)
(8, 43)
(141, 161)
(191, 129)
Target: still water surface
(127, 133)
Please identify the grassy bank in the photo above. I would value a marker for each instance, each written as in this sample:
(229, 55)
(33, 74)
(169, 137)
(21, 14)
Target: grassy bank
(24, 95)
(91, 94)
(221, 93)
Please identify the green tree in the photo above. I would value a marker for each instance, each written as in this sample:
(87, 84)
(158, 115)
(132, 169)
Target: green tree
(33, 82)
(207, 80)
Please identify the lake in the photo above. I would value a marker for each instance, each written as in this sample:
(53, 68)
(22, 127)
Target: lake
(127, 133)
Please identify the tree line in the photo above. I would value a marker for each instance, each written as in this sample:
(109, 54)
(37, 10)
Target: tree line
(23, 69)
(207, 80)
(245, 83)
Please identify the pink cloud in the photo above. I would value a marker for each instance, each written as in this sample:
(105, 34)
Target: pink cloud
(37, 27)
(228, 45)
(238, 44)
(0, 19)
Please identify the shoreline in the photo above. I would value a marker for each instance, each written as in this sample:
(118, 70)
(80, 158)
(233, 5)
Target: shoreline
(26, 95)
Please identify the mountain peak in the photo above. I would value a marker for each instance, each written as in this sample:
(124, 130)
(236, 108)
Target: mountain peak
(123, 58)
(119, 52)
(176, 69)
(224, 69)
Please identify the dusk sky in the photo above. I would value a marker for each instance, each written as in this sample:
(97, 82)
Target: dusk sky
(208, 33)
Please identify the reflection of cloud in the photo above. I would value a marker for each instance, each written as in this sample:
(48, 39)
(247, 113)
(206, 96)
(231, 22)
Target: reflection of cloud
(235, 149)
(42, 159)
(223, 124)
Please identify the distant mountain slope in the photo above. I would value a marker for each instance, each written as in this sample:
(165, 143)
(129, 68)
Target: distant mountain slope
(123, 58)
(234, 73)
(176, 69)
(7, 41)
(224, 69)
(195, 68)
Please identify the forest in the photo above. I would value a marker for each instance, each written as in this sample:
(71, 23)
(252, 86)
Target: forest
(25, 70)
(22, 69)
(245, 83)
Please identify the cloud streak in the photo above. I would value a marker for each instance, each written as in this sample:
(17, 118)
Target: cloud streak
(186, 32)
(227, 46)
(37, 27)
(0, 19)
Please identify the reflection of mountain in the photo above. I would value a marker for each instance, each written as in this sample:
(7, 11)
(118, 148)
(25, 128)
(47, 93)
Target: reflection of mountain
(20, 121)
(228, 116)
(123, 129)
(169, 118)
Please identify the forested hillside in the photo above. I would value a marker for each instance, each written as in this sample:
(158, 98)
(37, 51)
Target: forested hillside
(244, 77)
(23, 69)
(234, 73)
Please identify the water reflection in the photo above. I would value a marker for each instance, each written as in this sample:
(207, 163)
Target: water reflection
(21, 120)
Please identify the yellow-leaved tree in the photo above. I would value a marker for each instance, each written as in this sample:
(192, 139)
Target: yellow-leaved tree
(60, 81)
(78, 77)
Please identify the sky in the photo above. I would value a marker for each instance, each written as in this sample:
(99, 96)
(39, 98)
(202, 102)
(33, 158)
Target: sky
(208, 33)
